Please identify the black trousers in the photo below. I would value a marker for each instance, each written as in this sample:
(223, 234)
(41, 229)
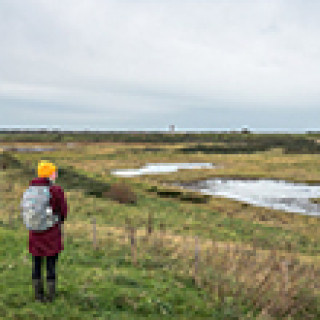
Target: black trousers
(51, 267)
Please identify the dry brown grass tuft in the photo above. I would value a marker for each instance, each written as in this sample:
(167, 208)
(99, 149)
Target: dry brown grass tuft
(122, 193)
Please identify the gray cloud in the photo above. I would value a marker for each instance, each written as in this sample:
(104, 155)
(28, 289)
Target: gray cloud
(115, 62)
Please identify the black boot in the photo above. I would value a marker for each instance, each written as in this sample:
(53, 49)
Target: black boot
(38, 290)
(51, 287)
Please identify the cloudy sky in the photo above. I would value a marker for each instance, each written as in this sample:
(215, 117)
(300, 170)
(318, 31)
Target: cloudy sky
(198, 64)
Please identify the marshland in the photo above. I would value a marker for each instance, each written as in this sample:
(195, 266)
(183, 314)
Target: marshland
(195, 255)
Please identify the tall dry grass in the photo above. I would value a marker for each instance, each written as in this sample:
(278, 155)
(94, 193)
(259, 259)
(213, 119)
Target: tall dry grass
(274, 281)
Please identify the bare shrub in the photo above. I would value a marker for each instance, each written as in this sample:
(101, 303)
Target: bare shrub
(121, 193)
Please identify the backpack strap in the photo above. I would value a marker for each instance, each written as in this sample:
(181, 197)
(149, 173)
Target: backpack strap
(56, 212)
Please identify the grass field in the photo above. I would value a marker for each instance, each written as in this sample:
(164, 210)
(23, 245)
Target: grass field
(252, 263)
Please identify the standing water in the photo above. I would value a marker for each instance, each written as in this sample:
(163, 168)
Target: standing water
(275, 194)
(156, 168)
(28, 149)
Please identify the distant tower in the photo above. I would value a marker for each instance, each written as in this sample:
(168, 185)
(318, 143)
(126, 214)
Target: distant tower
(171, 127)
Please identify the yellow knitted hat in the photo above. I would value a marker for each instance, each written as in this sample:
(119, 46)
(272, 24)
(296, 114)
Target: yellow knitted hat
(45, 169)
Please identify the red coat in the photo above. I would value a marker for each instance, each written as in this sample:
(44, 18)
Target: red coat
(48, 242)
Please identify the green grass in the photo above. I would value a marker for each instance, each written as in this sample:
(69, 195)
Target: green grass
(101, 284)
(104, 284)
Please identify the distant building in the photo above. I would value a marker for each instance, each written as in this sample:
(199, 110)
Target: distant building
(245, 130)
(171, 128)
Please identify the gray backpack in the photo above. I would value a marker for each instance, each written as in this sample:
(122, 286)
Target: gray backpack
(36, 211)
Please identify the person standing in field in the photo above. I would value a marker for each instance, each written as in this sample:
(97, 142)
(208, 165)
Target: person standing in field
(47, 243)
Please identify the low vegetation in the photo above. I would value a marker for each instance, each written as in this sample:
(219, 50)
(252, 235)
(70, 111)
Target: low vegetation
(196, 257)
(251, 144)
(315, 200)
(122, 193)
